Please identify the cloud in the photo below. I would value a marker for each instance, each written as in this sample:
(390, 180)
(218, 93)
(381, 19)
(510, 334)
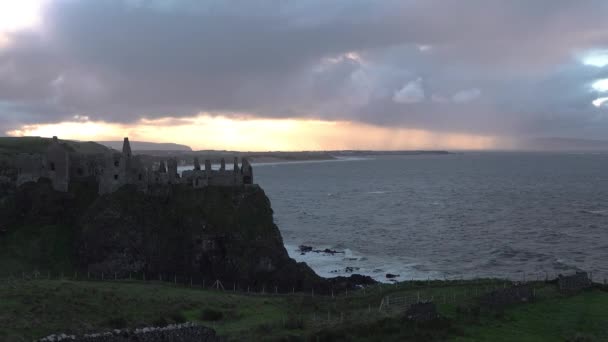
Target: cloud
(412, 92)
(468, 95)
(512, 67)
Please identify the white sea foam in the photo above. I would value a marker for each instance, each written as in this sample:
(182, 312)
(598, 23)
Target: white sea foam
(330, 265)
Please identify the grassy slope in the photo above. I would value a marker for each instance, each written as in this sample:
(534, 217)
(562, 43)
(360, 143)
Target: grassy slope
(10, 145)
(585, 315)
(31, 309)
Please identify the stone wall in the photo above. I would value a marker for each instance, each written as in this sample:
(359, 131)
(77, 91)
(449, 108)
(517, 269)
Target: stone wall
(187, 332)
(503, 297)
(574, 283)
(114, 170)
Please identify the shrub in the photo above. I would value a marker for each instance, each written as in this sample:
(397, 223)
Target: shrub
(294, 322)
(177, 317)
(211, 315)
(117, 323)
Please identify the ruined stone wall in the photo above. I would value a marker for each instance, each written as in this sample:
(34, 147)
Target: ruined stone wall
(112, 171)
(30, 168)
(58, 166)
(574, 283)
(503, 297)
(113, 174)
(187, 332)
(200, 179)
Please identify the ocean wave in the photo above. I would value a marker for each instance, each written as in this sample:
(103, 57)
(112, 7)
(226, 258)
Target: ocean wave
(601, 212)
(347, 262)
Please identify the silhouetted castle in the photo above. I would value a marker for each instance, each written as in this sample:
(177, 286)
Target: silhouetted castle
(61, 164)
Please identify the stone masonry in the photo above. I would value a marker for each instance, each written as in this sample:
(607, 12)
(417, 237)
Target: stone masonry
(112, 170)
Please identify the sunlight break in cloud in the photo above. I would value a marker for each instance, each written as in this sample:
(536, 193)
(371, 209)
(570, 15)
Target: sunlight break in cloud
(16, 15)
(600, 101)
(597, 59)
(600, 85)
(217, 132)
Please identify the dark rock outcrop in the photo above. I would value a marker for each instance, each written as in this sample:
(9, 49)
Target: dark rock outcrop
(173, 232)
(214, 233)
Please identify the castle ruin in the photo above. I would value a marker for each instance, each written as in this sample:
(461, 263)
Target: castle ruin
(112, 170)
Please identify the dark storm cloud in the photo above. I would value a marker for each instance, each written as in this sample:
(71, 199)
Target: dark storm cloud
(489, 67)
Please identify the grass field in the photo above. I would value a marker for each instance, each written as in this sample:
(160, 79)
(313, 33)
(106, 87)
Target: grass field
(32, 309)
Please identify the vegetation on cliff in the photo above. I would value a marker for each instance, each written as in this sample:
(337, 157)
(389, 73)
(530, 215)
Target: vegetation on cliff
(208, 234)
(35, 308)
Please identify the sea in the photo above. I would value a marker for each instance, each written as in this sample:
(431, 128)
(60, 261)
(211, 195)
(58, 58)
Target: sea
(456, 216)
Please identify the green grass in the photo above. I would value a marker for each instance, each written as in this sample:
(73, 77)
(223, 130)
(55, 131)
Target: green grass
(32, 248)
(11, 145)
(31, 309)
(553, 319)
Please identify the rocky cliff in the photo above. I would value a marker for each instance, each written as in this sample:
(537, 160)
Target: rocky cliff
(215, 233)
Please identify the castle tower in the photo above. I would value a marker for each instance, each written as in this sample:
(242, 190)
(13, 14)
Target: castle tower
(58, 165)
(235, 168)
(208, 165)
(247, 171)
(223, 165)
(162, 168)
(172, 169)
(197, 164)
(126, 148)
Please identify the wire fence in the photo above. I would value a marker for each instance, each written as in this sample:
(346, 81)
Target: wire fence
(332, 307)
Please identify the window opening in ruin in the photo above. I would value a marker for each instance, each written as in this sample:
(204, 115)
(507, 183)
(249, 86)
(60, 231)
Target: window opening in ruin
(115, 177)
(52, 166)
(116, 163)
(79, 171)
(140, 177)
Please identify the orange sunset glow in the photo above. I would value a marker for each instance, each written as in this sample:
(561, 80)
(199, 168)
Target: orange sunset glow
(219, 132)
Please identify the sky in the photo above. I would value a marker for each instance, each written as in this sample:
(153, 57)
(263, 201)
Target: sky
(305, 74)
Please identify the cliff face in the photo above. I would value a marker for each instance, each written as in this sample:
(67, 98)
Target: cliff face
(213, 233)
